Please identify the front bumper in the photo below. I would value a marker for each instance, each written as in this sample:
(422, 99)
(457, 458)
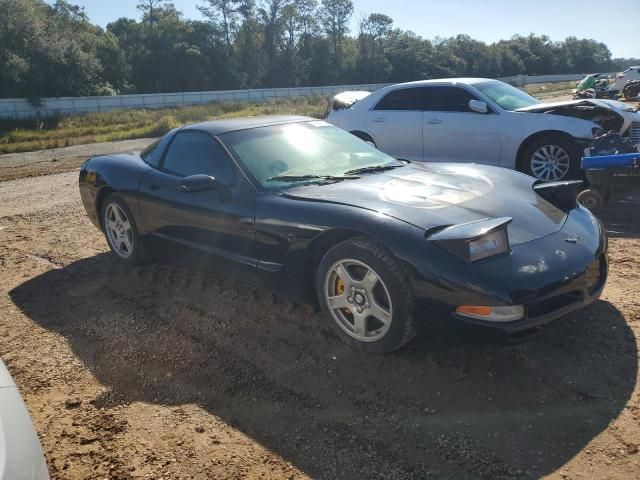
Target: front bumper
(540, 313)
(550, 276)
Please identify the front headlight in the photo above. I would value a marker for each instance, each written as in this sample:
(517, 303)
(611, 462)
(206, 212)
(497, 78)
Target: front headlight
(490, 245)
(475, 241)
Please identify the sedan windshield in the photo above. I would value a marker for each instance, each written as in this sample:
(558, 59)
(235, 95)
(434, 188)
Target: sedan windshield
(281, 156)
(508, 97)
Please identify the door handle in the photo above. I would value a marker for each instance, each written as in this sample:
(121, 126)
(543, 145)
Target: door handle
(153, 186)
(434, 121)
(379, 120)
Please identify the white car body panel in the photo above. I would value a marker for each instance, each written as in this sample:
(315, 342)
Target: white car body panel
(631, 73)
(20, 451)
(494, 138)
(397, 132)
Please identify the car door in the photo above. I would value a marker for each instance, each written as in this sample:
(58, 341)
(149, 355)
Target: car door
(395, 123)
(452, 132)
(219, 220)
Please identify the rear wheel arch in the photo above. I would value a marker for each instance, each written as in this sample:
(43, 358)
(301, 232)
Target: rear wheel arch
(100, 198)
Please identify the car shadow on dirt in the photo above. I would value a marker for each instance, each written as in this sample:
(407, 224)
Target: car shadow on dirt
(447, 405)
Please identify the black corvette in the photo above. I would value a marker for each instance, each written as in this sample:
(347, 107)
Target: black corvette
(383, 242)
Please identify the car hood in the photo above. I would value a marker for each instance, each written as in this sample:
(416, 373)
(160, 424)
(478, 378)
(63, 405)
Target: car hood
(433, 195)
(608, 114)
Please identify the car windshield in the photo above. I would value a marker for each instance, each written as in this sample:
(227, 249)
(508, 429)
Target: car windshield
(508, 97)
(281, 156)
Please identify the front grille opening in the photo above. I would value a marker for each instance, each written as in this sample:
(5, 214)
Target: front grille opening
(544, 307)
(635, 132)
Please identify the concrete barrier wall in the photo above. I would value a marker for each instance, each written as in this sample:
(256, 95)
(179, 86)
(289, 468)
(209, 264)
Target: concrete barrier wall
(18, 108)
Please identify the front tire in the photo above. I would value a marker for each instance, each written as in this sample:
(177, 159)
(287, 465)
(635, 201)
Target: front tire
(365, 296)
(121, 231)
(551, 158)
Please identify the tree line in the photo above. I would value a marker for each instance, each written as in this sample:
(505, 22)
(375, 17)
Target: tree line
(54, 50)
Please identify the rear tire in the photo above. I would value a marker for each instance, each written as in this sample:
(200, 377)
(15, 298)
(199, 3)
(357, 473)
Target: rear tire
(365, 296)
(121, 231)
(551, 158)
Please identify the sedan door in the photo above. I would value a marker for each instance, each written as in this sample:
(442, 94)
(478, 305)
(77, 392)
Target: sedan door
(217, 220)
(395, 123)
(452, 132)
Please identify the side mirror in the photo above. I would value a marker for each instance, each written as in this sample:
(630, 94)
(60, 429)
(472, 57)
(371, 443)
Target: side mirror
(478, 106)
(200, 183)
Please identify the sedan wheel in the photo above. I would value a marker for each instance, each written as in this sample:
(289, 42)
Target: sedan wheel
(550, 163)
(358, 300)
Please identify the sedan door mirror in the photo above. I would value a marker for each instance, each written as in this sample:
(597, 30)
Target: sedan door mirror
(478, 106)
(200, 183)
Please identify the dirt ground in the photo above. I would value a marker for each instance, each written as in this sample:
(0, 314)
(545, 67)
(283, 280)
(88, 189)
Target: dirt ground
(181, 370)
(58, 160)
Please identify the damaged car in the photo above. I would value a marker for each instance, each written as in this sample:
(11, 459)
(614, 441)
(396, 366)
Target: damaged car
(382, 245)
(484, 121)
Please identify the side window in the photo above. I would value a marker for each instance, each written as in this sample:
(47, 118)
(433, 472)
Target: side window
(152, 154)
(404, 99)
(192, 153)
(450, 99)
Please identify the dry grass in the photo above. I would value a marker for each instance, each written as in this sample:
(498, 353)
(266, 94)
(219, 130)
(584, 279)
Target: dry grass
(26, 136)
(542, 90)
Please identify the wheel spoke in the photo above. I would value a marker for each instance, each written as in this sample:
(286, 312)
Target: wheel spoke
(346, 277)
(379, 312)
(369, 281)
(127, 242)
(339, 301)
(360, 324)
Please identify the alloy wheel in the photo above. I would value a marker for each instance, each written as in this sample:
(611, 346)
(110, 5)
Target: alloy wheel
(550, 163)
(358, 300)
(119, 231)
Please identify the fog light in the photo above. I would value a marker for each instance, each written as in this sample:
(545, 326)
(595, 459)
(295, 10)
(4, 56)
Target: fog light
(492, 314)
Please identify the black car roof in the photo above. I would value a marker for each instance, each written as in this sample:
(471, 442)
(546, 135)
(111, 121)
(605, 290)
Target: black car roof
(218, 127)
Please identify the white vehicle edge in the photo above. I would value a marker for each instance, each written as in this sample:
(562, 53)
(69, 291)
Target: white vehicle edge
(21, 455)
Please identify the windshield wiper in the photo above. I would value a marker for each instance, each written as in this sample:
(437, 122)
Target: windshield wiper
(374, 169)
(304, 178)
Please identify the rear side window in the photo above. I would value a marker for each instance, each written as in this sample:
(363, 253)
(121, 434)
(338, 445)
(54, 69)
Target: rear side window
(449, 99)
(192, 153)
(412, 99)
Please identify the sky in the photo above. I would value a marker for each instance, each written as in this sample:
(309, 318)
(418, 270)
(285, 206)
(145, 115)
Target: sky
(614, 23)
